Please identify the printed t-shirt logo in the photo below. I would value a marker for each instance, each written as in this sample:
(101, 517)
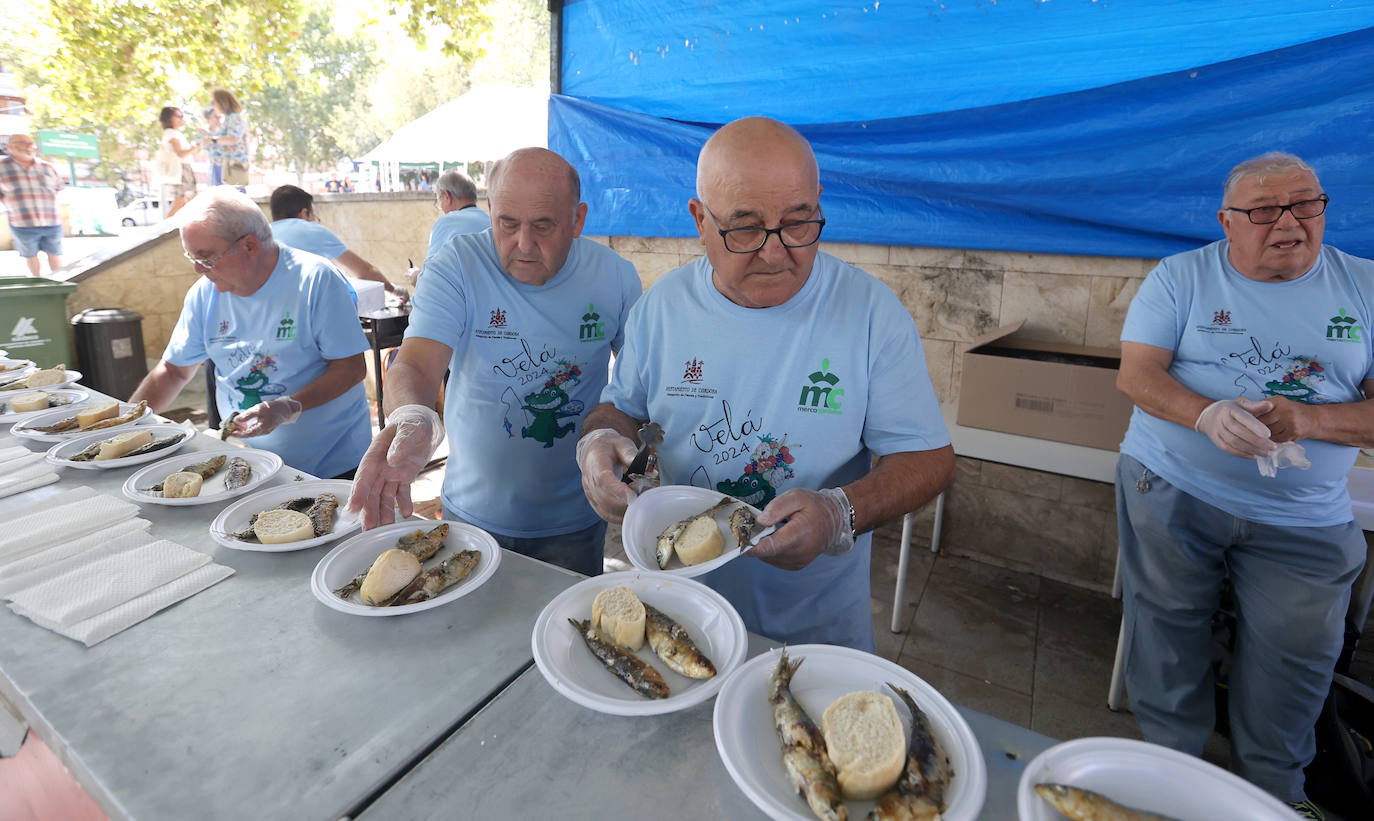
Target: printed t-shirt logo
(768, 467)
(498, 319)
(1222, 317)
(821, 395)
(1344, 328)
(286, 329)
(592, 328)
(223, 326)
(255, 387)
(691, 372)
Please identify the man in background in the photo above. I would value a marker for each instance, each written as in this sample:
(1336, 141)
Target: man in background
(28, 190)
(456, 196)
(294, 224)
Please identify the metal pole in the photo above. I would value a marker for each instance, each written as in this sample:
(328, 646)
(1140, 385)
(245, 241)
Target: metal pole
(555, 46)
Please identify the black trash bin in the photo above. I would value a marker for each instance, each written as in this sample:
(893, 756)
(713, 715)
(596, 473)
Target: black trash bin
(109, 350)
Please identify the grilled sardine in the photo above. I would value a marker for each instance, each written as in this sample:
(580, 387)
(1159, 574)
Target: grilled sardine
(667, 540)
(128, 416)
(1086, 805)
(321, 513)
(300, 505)
(206, 469)
(432, 582)
(803, 747)
(630, 669)
(239, 473)
(919, 793)
(672, 644)
(418, 543)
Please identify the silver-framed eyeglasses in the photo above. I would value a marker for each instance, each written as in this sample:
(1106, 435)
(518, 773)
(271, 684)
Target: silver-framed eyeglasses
(209, 264)
(1269, 214)
(749, 239)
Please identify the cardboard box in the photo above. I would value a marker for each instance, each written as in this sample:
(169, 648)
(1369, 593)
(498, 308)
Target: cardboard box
(1048, 390)
(371, 295)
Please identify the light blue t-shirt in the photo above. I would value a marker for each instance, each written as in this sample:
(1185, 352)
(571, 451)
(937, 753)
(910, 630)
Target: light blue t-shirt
(754, 402)
(276, 342)
(470, 220)
(528, 363)
(305, 235)
(1303, 339)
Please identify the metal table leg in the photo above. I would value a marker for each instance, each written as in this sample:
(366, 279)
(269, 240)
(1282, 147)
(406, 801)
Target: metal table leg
(901, 574)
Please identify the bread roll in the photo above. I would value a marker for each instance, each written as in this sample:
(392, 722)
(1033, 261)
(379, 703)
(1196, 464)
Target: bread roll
(392, 571)
(282, 526)
(619, 614)
(100, 410)
(700, 542)
(31, 401)
(182, 485)
(864, 738)
(123, 443)
(46, 377)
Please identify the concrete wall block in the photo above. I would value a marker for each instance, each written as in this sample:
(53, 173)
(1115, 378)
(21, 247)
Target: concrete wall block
(1064, 264)
(926, 257)
(858, 253)
(1055, 307)
(1108, 300)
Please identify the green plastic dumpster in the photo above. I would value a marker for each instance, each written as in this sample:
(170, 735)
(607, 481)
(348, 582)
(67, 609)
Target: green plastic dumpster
(33, 320)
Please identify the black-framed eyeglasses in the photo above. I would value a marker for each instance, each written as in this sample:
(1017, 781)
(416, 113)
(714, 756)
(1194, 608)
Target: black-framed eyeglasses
(751, 238)
(209, 264)
(1269, 214)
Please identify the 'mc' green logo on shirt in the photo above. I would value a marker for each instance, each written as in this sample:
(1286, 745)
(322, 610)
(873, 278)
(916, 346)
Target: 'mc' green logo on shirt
(592, 328)
(1344, 328)
(821, 395)
(286, 329)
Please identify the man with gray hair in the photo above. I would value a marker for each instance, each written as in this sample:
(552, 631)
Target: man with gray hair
(1243, 357)
(282, 330)
(456, 196)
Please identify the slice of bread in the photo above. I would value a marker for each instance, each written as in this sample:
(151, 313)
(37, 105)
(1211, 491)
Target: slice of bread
(100, 410)
(392, 570)
(31, 401)
(864, 738)
(701, 541)
(282, 526)
(46, 377)
(182, 485)
(123, 443)
(619, 614)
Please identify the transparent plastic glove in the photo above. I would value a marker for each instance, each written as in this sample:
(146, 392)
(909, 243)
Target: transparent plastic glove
(265, 417)
(1235, 429)
(398, 292)
(1286, 455)
(816, 522)
(602, 456)
(393, 460)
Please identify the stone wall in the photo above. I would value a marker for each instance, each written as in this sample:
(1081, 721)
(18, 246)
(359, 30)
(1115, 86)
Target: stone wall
(1056, 526)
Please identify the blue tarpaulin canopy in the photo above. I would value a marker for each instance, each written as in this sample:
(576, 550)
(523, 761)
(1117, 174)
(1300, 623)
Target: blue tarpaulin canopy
(1061, 126)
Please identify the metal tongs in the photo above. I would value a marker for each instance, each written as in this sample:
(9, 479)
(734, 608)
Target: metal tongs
(650, 436)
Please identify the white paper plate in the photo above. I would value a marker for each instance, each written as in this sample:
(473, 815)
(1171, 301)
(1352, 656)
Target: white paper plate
(569, 666)
(77, 395)
(61, 454)
(749, 747)
(342, 564)
(264, 464)
(70, 377)
(8, 370)
(28, 427)
(1144, 776)
(660, 507)
(235, 517)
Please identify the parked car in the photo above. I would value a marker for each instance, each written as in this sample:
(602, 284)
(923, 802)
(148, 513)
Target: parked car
(142, 211)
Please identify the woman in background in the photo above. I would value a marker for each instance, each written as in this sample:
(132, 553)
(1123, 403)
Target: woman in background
(232, 137)
(174, 164)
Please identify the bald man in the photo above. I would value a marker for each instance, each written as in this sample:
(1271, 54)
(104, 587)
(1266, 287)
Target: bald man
(778, 374)
(524, 315)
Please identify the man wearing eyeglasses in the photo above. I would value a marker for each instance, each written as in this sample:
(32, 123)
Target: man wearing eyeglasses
(280, 326)
(778, 373)
(524, 316)
(1229, 351)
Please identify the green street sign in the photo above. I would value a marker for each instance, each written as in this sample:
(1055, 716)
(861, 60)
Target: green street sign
(65, 144)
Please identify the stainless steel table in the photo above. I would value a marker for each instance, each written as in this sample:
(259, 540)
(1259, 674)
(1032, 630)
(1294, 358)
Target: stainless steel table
(531, 753)
(252, 699)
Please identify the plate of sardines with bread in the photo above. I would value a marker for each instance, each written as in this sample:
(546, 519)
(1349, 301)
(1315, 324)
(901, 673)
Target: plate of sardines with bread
(65, 423)
(687, 531)
(820, 731)
(128, 446)
(29, 404)
(28, 379)
(405, 567)
(638, 643)
(202, 477)
(293, 516)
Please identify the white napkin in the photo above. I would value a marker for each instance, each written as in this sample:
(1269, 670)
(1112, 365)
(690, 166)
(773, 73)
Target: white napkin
(62, 518)
(50, 564)
(16, 452)
(106, 582)
(97, 628)
(12, 488)
(28, 459)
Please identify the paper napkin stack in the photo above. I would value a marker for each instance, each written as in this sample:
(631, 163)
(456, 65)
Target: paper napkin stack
(21, 469)
(86, 568)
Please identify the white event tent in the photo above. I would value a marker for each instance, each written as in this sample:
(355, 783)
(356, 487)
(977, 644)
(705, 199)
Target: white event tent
(486, 123)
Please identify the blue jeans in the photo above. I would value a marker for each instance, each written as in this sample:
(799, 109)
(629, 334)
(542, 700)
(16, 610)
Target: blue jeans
(28, 241)
(581, 551)
(1291, 587)
(216, 174)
